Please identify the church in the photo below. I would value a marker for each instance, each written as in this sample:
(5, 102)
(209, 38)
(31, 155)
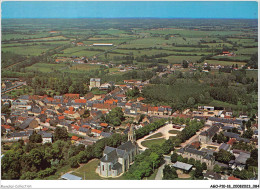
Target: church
(117, 160)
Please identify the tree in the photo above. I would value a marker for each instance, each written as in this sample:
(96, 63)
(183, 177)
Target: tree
(216, 169)
(248, 134)
(169, 173)
(198, 172)
(61, 133)
(204, 166)
(86, 114)
(185, 64)
(74, 162)
(191, 101)
(224, 156)
(35, 138)
(115, 116)
(167, 146)
(174, 157)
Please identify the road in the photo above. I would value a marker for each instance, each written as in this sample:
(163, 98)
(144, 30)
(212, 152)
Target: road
(159, 174)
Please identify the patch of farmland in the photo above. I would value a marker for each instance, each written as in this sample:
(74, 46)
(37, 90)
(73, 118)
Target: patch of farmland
(45, 67)
(29, 50)
(224, 63)
(179, 59)
(49, 38)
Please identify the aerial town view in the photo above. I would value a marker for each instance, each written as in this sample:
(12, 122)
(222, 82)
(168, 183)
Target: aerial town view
(129, 98)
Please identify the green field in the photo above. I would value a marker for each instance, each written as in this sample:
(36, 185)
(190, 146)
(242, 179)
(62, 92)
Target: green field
(179, 59)
(84, 67)
(157, 135)
(224, 63)
(28, 50)
(45, 67)
(174, 132)
(150, 143)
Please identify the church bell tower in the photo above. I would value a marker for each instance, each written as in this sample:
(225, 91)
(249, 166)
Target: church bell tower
(131, 134)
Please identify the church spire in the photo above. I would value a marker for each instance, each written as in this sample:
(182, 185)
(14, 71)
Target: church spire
(131, 134)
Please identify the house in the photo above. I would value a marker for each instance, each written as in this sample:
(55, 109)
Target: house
(105, 134)
(46, 137)
(210, 175)
(23, 135)
(96, 132)
(206, 136)
(30, 122)
(116, 161)
(183, 166)
(94, 82)
(75, 138)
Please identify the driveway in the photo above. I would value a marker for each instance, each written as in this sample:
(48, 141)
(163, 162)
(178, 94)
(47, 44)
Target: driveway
(159, 174)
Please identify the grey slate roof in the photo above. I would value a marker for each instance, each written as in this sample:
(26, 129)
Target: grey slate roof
(212, 175)
(110, 157)
(108, 149)
(26, 123)
(45, 134)
(194, 151)
(116, 166)
(231, 135)
(69, 176)
(211, 131)
(242, 158)
(181, 165)
(105, 134)
(127, 146)
(222, 120)
(224, 146)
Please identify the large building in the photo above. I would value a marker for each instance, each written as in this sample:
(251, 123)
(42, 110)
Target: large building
(94, 82)
(117, 160)
(202, 156)
(206, 136)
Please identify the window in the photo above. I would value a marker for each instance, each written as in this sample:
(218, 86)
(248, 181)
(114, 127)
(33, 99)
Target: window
(109, 167)
(103, 167)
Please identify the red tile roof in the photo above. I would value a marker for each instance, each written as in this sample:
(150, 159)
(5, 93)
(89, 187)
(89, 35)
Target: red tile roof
(96, 131)
(231, 141)
(8, 127)
(74, 138)
(80, 101)
(103, 124)
(233, 178)
(61, 117)
(75, 127)
(71, 96)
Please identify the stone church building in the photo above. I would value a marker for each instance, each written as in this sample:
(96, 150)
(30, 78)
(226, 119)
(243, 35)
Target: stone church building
(117, 160)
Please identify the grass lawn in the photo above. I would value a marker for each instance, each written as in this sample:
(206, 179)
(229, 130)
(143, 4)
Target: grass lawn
(90, 171)
(155, 136)
(174, 132)
(149, 143)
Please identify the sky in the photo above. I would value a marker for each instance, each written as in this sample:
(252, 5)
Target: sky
(130, 9)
